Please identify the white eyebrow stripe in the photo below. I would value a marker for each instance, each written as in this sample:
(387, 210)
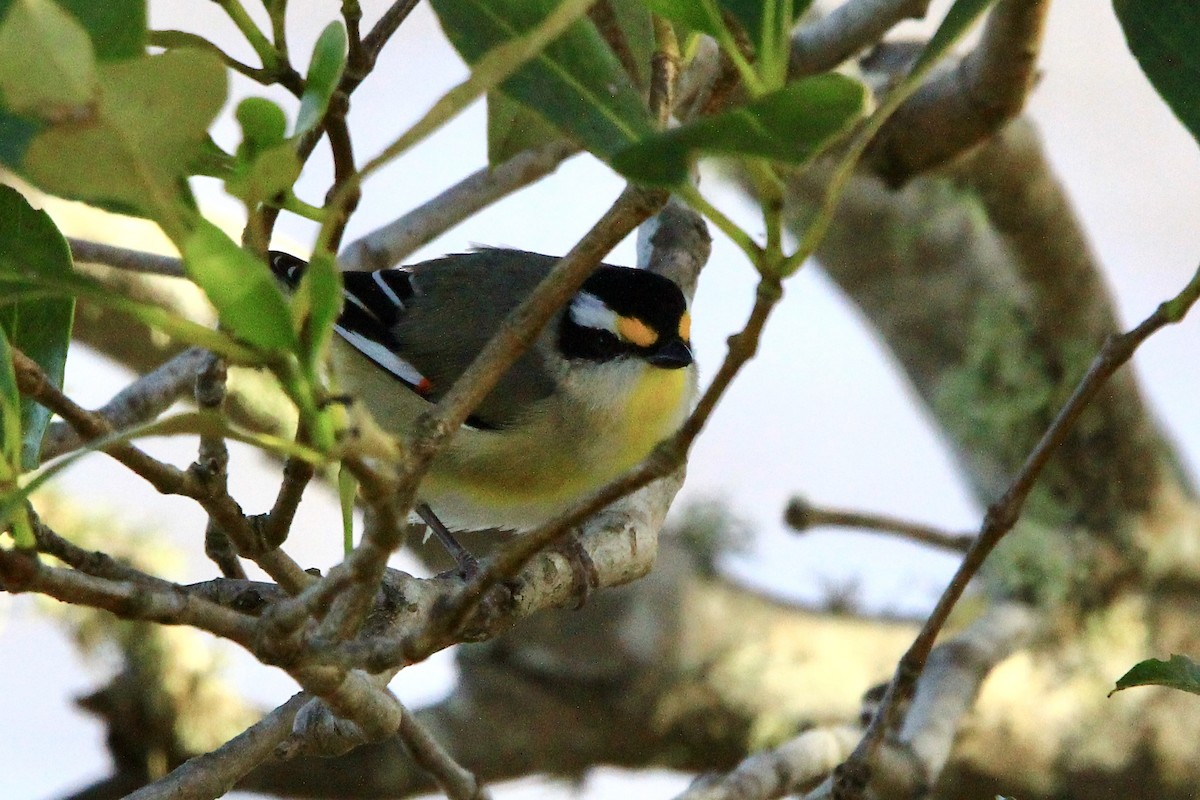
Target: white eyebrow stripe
(590, 311)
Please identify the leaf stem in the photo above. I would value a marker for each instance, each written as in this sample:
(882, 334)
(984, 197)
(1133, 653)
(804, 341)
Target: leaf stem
(691, 195)
(257, 39)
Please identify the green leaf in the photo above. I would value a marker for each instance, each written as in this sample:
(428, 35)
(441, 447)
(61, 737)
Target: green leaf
(271, 172)
(15, 135)
(1164, 36)
(694, 15)
(324, 72)
(1178, 673)
(47, 67)
(576, 82)
(117, 27)
(316, 305)
(768, 24)
(789, 125)
(142, 140)
(512, 128)
(766, 19)
(41, 329)
(11, 495)
(247, 298)
(637, 32)
(10, 416)
(30, 286)
(263, 123)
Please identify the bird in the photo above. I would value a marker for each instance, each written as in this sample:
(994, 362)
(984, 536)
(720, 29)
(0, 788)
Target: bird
(610, 376)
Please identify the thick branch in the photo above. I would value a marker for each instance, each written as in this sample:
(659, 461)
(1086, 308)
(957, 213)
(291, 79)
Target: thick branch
(851, 27)
(962, 107)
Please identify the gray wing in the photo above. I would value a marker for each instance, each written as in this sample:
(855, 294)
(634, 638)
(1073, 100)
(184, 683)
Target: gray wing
(450, 317)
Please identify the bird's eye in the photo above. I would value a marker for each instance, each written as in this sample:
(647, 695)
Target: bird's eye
(604, 344)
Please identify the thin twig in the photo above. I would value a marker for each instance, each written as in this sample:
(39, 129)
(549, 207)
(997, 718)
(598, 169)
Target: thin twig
(126, 259)
(22, 572)
(455, 780)
(212, 466)
(296, 475)
(664, 71)
(803, 516)
(141, 401)
(214, 774)
(999, 520)
(492, 69)
(90, 562)
(377, 38)
(784, 770)
(167, 479)
(390, 244)
(964, 106)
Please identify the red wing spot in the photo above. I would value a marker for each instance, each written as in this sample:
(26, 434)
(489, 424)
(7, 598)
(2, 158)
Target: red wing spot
(425, 386)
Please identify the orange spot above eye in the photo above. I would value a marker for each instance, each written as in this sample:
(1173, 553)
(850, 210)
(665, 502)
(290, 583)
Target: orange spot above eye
(685, 327)
(636, 332)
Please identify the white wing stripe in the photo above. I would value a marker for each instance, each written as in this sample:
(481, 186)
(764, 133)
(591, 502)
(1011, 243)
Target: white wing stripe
(382, 356)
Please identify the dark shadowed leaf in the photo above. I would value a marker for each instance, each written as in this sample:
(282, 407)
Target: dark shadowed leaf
(637, 32)
(30, 242)
(117, 27)
(10, 416)
(1164, 36)
(512, 127)
(696, 15)
(789, 125)
(1178, 673)
(576, 82)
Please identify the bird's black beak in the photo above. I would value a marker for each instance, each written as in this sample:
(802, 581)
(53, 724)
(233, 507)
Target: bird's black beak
(675, 354)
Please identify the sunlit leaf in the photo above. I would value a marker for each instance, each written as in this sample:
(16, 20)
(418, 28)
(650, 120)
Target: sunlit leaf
(241, 287)
(142, 139)
(47, 66)
(324, 72)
